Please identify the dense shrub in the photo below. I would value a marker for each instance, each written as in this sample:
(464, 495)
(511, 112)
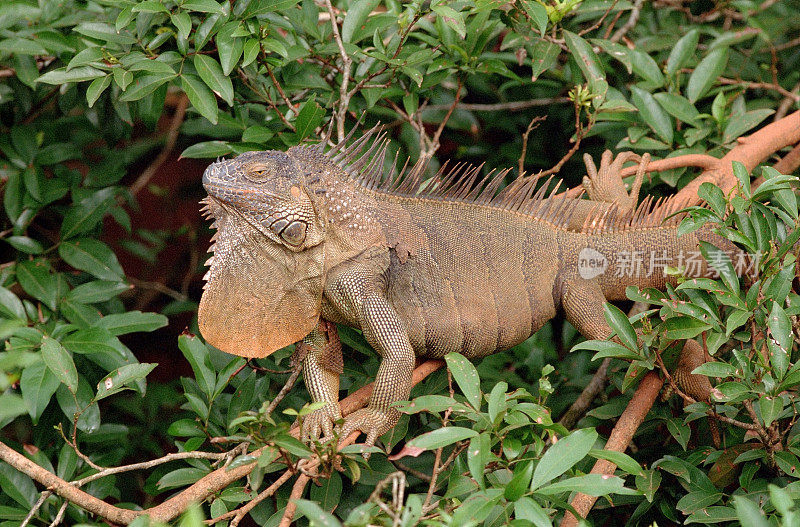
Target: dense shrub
(97, 96)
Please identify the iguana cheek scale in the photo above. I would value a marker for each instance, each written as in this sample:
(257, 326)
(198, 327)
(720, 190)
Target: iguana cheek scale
(422, 268)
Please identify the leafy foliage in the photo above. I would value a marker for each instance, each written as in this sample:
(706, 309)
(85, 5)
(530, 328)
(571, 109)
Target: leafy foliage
(84, 86)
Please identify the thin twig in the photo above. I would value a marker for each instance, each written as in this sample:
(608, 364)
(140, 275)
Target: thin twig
(169, 144)
(60, 514)
(511, 106)
(524, 150)
(36, 506)
(347, 63)
(290, 382)
(634, 18)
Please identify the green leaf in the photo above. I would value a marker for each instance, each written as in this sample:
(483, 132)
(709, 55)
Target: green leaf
(22, 46)
(682, 52)
(590, 484)
(25, 244)
(200, 96)
(258, 7)
(211, 73)
(105, 32)
(308, 118)
(648, 483)
(92, 256)
(37, 384)
(180, 478)
(316, 516)
(771, 408)
(645, 67)
(207, 149)
(356, 16)
(86, 214)
(538, 14)
(92, 340)
(519, 482)
(150, 6)
(605, 349)
(652, 114)
(11, 305)
(741, 123)
(466, 376)
(442, 437)
(563, 455)
(62, 76)
(706, 73)
(97, 291)
(14, 483)
(543, 56)
(588, 63)
(715, 369)
(721, 262)
(203, 6)
(621, 326)
(197, 354)
(229, 47)
(678, 106)
(681, 328)
(96, 88)
(59, 361)
(328, 493)
(452, 18)
(526, 508)
(621, 459)
(132, 321)
(145, 85)
(37, 280)
(748, 512)
(679, 430)
(121, 378)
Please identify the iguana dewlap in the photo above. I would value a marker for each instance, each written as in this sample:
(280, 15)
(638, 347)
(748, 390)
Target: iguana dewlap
(422, 268)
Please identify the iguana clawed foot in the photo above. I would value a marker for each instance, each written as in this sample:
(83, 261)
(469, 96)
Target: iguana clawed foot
(320, 423)
(372, 421)
(606, 185)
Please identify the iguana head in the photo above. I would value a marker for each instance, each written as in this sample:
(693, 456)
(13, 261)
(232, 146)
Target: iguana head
(264, 285)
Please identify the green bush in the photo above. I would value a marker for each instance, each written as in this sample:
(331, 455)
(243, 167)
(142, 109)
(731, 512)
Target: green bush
(83, 86)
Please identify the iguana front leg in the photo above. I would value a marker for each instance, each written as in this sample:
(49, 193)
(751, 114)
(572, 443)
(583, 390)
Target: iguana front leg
(321, 355)
(362, 300)
(385, 332)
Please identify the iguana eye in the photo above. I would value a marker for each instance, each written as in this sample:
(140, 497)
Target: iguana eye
(295, 233)
(259, 174)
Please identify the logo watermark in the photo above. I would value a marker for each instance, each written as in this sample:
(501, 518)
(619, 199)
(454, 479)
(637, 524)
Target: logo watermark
(644, 264)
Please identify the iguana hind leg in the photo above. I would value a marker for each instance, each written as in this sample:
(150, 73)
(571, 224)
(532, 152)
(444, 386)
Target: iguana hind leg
(321, 355)
(583, 306)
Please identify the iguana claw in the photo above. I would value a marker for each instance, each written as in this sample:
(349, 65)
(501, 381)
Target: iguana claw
(371, 421)
(320, 423)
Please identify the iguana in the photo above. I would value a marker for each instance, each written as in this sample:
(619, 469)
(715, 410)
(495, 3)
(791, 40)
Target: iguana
(422, 268)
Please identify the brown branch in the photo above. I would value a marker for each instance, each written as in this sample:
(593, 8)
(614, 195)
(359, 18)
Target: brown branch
(533, 124)
(290, 382)
(586, 397)
(297, 493)
(347, 63)
(169, 144)
(511, 106)
(620, 438)
(634, 18)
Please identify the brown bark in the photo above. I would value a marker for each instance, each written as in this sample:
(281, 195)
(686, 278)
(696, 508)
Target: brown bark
(619, 439)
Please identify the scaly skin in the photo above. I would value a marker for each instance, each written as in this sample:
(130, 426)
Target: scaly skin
(419, 274)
